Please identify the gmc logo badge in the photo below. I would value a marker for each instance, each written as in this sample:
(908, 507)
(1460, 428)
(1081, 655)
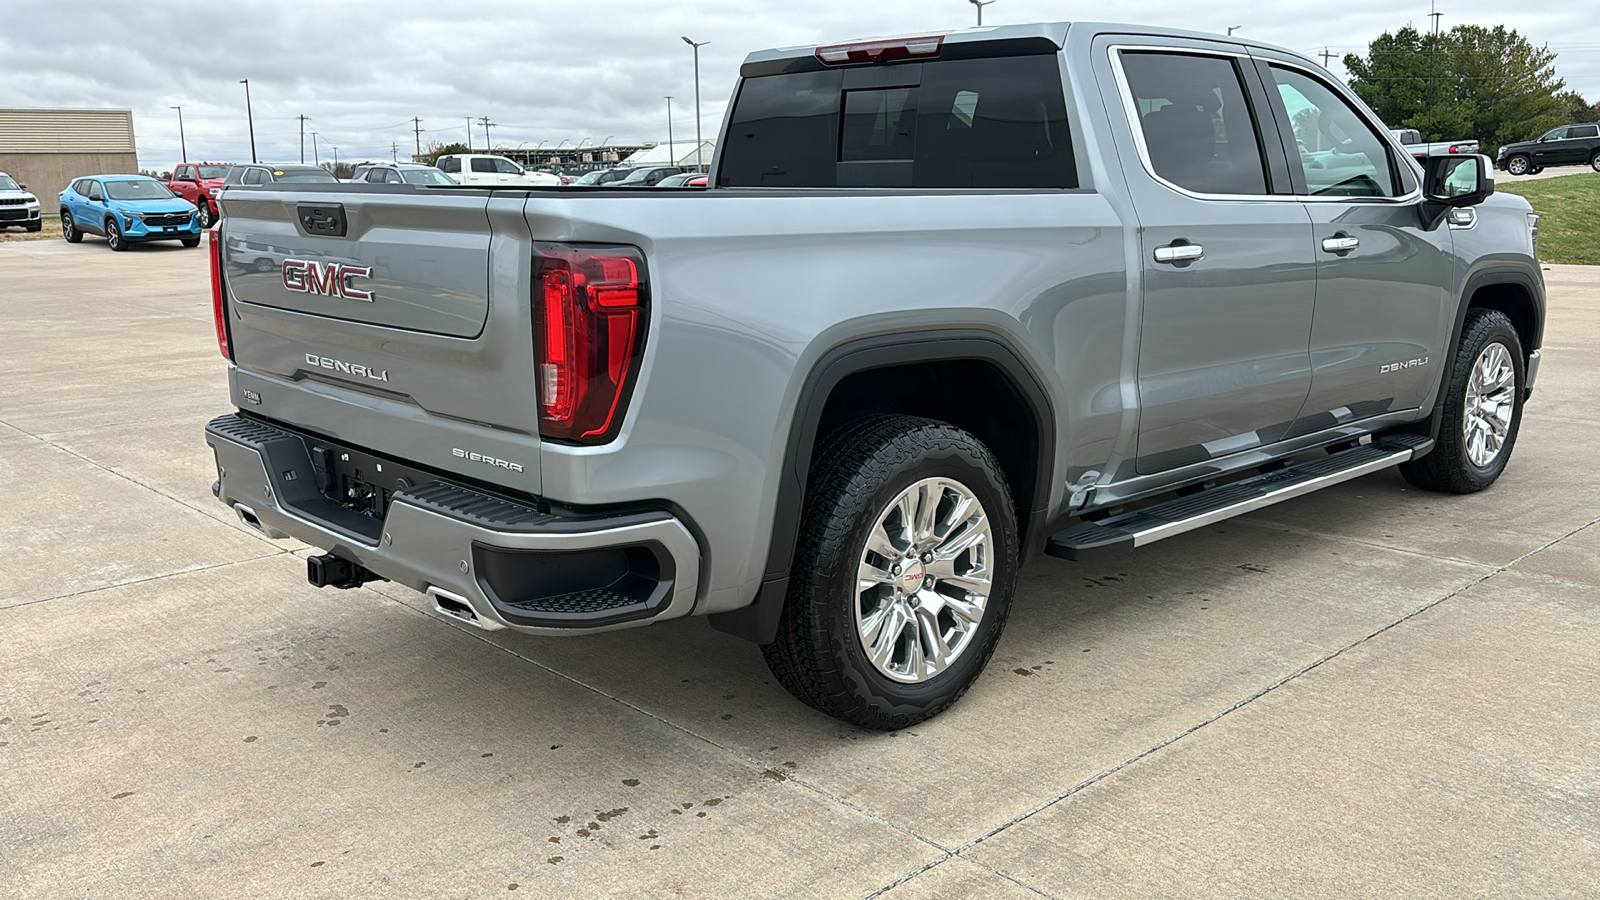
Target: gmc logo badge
(305, 276)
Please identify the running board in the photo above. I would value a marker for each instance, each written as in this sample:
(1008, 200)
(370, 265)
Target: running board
(1151, 524)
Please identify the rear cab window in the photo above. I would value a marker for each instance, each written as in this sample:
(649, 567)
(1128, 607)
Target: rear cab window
(994, 122)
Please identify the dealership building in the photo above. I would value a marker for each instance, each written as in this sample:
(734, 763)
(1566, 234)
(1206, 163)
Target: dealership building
(47, 148)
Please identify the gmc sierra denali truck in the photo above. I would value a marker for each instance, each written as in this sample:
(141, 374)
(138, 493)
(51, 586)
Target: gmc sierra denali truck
(950, 302)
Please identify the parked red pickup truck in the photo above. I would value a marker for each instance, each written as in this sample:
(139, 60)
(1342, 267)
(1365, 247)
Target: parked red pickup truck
(194, 181)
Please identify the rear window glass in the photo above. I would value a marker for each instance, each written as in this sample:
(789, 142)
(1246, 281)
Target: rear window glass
(303, 175)
(1583, 131)
(214, 171)
(483, 165)
(972, 123)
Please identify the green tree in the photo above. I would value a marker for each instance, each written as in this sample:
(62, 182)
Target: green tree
(1490, 84)
(436, 150)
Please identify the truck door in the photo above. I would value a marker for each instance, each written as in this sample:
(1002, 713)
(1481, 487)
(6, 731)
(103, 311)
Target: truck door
(1383, 297)
(1226, 267)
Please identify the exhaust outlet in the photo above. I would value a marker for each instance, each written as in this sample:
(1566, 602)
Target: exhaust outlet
(333, 571)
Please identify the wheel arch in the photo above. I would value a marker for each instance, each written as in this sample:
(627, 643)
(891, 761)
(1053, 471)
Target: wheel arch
(979, 363)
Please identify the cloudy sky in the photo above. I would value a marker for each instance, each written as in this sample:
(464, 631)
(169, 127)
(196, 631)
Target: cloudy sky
(559, 70)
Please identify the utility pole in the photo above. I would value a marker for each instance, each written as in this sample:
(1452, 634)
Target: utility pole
(699, 145)
(183, 145)
(980, 4)
(252, 117)
(469, 134)
(418, 127)
(316, 157)
(394, 150)
(1326, 55)
(1434, 14)
(484, 121)
(302, 117)
(672, 156)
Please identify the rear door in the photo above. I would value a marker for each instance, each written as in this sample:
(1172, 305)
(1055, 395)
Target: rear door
(1383, 281)
(1229, 279)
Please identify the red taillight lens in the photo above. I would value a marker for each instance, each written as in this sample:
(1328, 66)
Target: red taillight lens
(1453, 149)
(881, 51)
(589, 323)
(219, 310)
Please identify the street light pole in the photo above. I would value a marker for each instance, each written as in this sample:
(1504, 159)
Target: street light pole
(980, 4)
(251, 116)
(672, 158)
(183, 146)
(699, 144)
(1233, 28)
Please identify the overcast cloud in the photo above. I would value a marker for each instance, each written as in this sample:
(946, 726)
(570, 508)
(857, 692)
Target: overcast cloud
(554, 71)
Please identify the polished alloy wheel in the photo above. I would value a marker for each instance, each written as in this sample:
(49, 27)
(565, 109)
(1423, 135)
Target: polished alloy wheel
(205, 216)
(1517, 165)
(66, 226)
(1491, 396)
(924, 580)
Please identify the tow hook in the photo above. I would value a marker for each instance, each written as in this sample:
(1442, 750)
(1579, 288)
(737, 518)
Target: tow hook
(333, 571)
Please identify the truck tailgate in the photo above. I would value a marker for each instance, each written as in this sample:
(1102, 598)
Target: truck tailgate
(411, 331)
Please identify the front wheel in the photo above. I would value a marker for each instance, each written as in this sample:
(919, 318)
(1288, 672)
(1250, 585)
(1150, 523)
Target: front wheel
(69, 229)
(189, 242)
(1482, 409)
(1518, 165)
(903, 573)
(115, 237)
(206, 216)
(35, 226)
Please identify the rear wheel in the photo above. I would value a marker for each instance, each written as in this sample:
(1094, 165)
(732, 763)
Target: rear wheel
(903, 573)
(1594, 161)
(69, 229)
(1482, 409)
(115, 237)
(1518, 165)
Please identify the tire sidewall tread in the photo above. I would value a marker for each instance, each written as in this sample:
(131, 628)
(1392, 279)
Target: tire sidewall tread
(1447, 469)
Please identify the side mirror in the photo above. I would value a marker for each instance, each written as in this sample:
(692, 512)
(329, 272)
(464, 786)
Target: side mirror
(23, 186)
(1452, 181)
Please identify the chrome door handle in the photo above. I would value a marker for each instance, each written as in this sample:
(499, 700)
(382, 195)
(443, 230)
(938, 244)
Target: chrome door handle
(1340, 244)
(1179, 253)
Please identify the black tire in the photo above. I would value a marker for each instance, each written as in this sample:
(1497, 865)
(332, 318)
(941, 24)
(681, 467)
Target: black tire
(1450, 468)
(114, 235)
(69, 229)
(859, 470)
(189, 242)
(206, 216)
(35, 226)
(1519, 165)
(1594, 161)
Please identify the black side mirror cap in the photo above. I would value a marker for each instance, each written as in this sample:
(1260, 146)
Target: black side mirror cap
(1454, 180)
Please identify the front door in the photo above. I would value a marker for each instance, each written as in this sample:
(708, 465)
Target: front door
(1383, 301)
(1228, 275)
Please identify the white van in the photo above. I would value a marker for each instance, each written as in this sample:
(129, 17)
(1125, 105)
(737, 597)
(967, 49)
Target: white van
(479, 168)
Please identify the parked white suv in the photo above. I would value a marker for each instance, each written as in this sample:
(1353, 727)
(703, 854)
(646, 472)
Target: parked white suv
(17, 206)
(479, 168)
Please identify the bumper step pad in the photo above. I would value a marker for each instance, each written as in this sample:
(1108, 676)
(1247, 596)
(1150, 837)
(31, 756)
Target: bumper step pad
(1151, 524)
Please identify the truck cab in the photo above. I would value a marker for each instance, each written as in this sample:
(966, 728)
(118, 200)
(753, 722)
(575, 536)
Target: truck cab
(194, 181)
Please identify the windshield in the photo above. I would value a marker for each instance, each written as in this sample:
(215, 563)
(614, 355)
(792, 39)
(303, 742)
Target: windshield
(6, 184)
(137, 190)
(635, 175)
(425, 176)
(214, 171)
(304, 176)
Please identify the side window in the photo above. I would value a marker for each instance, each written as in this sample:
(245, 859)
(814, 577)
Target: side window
(1555, 134)
(181, 174)
(1197, 126)
(95, 193)
(993, 123)
(1340, 154)
(452, 164)
(483, 164)
(255, 176)
(1583, 131)
(505, 166)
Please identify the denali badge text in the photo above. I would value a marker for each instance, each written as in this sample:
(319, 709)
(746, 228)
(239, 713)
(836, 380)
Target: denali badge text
(486, 460)
(305, 276)
(1395, 367)
(339, 365)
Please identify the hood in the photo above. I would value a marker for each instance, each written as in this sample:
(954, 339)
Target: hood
(12, 195)
(1518, 145)
(171, 205)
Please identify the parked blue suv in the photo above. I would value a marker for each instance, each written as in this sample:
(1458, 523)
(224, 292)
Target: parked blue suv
(127, 208)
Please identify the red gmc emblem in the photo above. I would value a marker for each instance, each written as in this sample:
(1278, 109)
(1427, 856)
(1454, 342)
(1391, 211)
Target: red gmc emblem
(304, 276)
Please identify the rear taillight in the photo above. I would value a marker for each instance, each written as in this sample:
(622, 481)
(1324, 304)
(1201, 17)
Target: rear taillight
(881, 51)
(219, 310)
(589, 320)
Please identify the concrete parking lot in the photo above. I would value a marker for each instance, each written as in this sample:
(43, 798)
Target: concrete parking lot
(1366, 692)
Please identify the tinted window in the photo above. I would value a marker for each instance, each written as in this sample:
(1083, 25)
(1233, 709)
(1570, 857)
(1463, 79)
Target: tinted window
(450, 164)
(1583, 131)
(235, 175)
(137, 190)
(1197, 127)
(303, 176)
(1340, 154)
(483, 164)
(255, 176)
(94, 191)
(183, 173)
(983, 123)
(1555, 134)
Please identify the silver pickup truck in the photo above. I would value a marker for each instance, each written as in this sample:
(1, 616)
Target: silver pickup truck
(950, 302)
(1411, 139)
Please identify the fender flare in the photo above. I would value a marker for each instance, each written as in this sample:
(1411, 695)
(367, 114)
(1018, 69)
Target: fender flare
(759, 620)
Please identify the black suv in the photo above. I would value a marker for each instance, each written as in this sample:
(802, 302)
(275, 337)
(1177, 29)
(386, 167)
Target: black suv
(1569, 145)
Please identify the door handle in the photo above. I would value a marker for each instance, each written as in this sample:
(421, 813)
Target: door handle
(1177, 253)
(1340, 243)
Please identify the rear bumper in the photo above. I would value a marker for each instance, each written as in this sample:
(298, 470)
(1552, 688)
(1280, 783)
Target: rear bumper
(488, 560)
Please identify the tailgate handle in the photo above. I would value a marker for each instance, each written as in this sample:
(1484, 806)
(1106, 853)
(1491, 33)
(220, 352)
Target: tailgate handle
(322, 219)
